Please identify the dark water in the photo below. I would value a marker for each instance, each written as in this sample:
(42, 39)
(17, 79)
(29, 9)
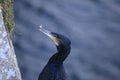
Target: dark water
(93, 27)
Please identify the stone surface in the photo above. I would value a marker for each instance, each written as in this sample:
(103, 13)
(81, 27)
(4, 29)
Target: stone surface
(8, 63)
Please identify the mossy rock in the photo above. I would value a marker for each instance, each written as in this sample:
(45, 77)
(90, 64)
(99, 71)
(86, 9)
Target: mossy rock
(7, 9)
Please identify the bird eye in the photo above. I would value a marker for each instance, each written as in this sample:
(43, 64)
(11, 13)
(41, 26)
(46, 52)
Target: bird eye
(57, 36)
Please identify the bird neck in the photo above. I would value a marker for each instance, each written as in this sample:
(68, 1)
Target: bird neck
(61, 55)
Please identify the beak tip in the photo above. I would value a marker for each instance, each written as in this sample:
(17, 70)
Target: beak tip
(40, 26)
(40, 29)
(48, 33)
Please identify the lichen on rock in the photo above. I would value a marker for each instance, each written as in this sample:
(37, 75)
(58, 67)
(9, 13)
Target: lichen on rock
(7, 13)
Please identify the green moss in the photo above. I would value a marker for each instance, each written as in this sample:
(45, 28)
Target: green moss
(7, 13)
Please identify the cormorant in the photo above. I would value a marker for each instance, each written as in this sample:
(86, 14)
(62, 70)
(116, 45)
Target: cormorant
(54, 69)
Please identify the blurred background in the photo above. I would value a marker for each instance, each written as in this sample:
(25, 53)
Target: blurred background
(93, 27)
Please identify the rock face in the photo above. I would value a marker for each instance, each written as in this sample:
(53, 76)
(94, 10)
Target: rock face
(8, 63)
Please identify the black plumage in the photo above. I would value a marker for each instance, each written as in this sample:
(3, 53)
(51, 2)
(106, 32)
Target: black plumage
(54, 69)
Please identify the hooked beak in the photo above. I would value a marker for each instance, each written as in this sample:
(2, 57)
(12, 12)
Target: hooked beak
(48, 33)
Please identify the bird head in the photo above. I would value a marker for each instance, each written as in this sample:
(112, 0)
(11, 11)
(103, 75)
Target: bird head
(58, 39)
